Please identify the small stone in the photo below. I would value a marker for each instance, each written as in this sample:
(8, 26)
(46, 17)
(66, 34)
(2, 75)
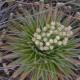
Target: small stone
(20, 5)
(11, 14)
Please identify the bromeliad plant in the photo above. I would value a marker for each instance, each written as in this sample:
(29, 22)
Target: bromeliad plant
(44, 45)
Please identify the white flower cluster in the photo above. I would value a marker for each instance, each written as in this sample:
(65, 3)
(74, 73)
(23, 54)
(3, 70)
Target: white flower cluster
(52, 34)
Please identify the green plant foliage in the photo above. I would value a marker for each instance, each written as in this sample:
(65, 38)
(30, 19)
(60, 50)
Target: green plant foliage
(60, 62)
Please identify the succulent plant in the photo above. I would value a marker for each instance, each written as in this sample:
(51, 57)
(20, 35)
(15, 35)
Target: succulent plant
(44, 46)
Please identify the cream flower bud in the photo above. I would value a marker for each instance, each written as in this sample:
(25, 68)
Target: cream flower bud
(48, 34)
(60, 33)
(64, 33)
(41, 44)
(55, 31)
(11, 14)
(43, 34)
(52, 27)
(64, 42)
(38, 30)
(57, 37)
(47, 43)
(33, 39)
(45, 28)
(45, 39)
(51, 47)
(68, 34)
(71, 33)
(51, 32)
(38, 37)
(70, 27)
(35, 34)
(47, 25)
(45, 48)
(51, 40)
(36, 42)
(66, 39)
(55, 40)
(62, 26)
(52, 23)
(41, 48)
(42, 0)
(59, 28)
(67, 29)
(59, 43)
(20, 5)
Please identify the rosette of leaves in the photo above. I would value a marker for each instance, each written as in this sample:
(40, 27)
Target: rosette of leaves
(58, 61)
